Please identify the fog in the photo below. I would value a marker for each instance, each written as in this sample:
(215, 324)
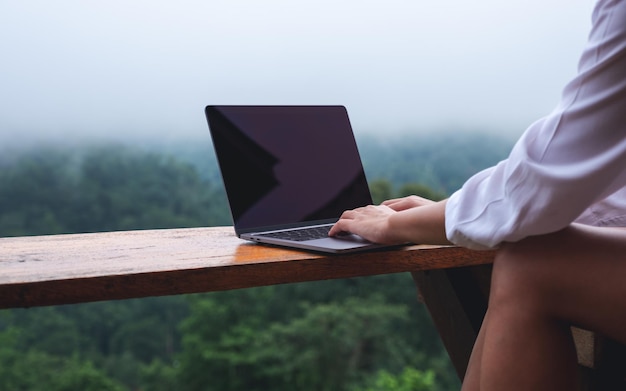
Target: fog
(146, 69)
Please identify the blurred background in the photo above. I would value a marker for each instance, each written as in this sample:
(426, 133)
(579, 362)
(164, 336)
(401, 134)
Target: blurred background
(102, 128)
(147, 68)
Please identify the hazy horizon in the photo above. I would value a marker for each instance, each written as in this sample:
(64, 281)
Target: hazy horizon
(147, 69)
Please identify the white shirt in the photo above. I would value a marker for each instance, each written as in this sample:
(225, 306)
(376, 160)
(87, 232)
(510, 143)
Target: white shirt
(568, 166)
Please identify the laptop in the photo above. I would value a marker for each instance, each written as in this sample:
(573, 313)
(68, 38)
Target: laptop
(289, 172)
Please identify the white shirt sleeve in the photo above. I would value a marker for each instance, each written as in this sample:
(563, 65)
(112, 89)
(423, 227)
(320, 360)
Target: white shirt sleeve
(564, 163)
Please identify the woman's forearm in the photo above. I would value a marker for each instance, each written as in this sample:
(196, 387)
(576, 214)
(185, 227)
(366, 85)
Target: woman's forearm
(421, 225)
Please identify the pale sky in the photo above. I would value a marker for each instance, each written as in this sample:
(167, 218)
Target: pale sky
(135, 68)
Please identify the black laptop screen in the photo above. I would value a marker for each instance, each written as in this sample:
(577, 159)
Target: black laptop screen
(287, 164)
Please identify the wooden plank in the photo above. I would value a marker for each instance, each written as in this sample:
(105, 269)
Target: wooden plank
(63, 269)
(456, 299)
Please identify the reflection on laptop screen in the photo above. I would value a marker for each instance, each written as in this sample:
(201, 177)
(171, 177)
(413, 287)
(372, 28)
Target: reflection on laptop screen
(287, 164)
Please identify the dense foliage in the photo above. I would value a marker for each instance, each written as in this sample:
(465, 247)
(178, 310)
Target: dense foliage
(106, 188)
(364, 334)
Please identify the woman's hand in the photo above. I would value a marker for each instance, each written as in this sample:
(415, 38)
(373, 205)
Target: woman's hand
(402, 220)
(370, 222)
(405, 203)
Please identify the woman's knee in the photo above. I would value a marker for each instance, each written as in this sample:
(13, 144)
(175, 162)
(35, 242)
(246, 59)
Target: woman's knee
(549, 267)
(521, 274)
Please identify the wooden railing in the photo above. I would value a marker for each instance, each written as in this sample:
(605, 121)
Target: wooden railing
(61, 269)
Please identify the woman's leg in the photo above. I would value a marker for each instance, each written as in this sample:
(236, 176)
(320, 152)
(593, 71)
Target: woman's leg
(540, 287)
(471, 381)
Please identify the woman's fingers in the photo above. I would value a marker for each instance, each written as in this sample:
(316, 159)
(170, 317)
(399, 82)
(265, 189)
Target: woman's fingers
(409, 202)
(368, 222)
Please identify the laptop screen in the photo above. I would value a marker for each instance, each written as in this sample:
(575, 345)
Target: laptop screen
(285, 165)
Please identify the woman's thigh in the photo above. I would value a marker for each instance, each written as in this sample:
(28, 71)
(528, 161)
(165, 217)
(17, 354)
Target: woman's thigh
(577, 275)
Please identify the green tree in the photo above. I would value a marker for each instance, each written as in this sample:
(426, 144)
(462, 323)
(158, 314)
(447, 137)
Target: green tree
(84, 377)
(440, 160)
(34, 190)
(217, 338)
(159, 376)
(104, 188)
(381, 190)
(123, 189)
(24, 369)
(35, 370)
(327, 347)
(333, 345)
(408, 380)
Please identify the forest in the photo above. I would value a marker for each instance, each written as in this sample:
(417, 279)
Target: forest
(361, 334)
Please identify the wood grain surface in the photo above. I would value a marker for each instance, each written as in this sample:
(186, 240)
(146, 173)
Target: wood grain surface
(63, 269)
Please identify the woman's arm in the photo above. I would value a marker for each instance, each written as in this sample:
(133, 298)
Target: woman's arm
(406, 220)
(565, 162)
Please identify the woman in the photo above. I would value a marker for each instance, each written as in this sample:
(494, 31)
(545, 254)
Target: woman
(553, 211)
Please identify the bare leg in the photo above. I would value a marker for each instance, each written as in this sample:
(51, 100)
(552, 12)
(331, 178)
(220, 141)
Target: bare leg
(540, 287)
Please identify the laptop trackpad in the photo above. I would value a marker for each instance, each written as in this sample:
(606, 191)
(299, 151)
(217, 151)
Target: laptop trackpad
(342, 242)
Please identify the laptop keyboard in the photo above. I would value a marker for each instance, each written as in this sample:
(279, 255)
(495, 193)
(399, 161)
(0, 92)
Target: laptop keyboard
(300, 235)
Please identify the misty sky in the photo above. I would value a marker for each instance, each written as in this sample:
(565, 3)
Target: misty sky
(143, 67)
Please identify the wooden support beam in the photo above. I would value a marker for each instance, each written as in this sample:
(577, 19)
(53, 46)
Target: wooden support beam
(457, 301)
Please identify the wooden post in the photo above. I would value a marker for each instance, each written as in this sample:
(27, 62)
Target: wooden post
(457, 301)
